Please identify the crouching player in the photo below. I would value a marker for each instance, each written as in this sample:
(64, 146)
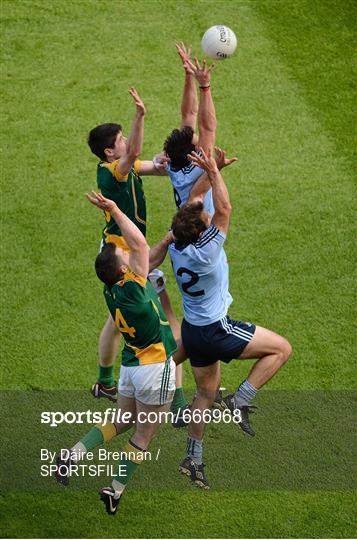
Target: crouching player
(147, 374)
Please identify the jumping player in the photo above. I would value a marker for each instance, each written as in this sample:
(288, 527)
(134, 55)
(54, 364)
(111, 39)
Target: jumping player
(208, 334)
(118, 178)
(147, 373)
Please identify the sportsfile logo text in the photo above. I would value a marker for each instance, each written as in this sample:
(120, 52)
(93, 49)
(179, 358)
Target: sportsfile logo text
(111, 415)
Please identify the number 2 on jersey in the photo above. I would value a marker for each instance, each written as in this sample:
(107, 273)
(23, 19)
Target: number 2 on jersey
(122, 325)
(194, 279)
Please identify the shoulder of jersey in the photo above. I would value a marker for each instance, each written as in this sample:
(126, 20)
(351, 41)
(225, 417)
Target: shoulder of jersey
(206, 237)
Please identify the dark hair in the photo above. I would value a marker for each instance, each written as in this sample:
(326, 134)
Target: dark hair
(177, 145)
(102, 137)
(188, 224)
(106, 265)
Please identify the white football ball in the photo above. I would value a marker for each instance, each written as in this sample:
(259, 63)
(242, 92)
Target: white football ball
(219, 42)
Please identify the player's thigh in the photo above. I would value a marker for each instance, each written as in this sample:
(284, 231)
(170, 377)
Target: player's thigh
(149, 418)
(264, 342)
(125, 405)
(207, 377)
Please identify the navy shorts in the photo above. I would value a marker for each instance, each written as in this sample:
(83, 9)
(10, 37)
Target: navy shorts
(223, 340)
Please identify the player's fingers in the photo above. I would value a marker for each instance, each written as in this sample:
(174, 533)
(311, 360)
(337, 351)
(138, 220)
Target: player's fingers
(200, 149)
(194, 158)
(188, 61)
(188, 68)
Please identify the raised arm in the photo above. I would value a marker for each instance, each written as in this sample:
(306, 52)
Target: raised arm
(207, 122)
(139, 249)
(203, 184)
(156, 167)
(136, 136)
(158, 252)
(220, 193)
(189, 103)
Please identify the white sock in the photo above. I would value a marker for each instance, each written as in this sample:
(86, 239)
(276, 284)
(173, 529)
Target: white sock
(78, 452)
(118, 488)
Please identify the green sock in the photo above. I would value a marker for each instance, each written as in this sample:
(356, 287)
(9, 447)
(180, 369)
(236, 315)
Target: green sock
(179, 401)
(92, 439)
(106, 376)
(98, 435)
(126, 467)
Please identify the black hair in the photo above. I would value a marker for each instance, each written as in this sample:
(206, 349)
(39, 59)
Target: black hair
(102, 137)
(107, 265)
(177, 145)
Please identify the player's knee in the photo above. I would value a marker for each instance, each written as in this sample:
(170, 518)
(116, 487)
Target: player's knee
(285, 350)
(208, 391)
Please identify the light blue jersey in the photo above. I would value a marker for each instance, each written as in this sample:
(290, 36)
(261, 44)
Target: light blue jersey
(201, 271)
(183, 181)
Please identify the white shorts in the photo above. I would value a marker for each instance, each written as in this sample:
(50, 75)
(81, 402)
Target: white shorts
(152, 384)
(157, 280)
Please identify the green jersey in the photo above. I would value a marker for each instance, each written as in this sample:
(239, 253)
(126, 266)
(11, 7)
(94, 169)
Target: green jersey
(127, 192)
(139, 316)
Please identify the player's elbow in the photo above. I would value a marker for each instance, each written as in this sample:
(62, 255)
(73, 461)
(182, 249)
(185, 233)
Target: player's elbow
(225, 208)
(144, 247)
(133, 153)
(141, 247)
(208, 130)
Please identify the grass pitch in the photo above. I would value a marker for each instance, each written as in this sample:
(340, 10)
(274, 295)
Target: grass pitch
(285, 106)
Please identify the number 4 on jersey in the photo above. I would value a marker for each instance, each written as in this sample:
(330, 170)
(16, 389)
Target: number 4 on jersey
(122, 325)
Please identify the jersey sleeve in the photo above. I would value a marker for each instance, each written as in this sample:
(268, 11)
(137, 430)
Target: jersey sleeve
(123, 177)
(209, 245)
(113, 170)
(136, 166)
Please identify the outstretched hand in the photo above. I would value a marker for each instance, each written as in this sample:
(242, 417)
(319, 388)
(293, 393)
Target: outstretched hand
(205, 161)
(160, 161)
(140, 107)
(221, 160)
(101, 202)
(185, 55)
(201, 73)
